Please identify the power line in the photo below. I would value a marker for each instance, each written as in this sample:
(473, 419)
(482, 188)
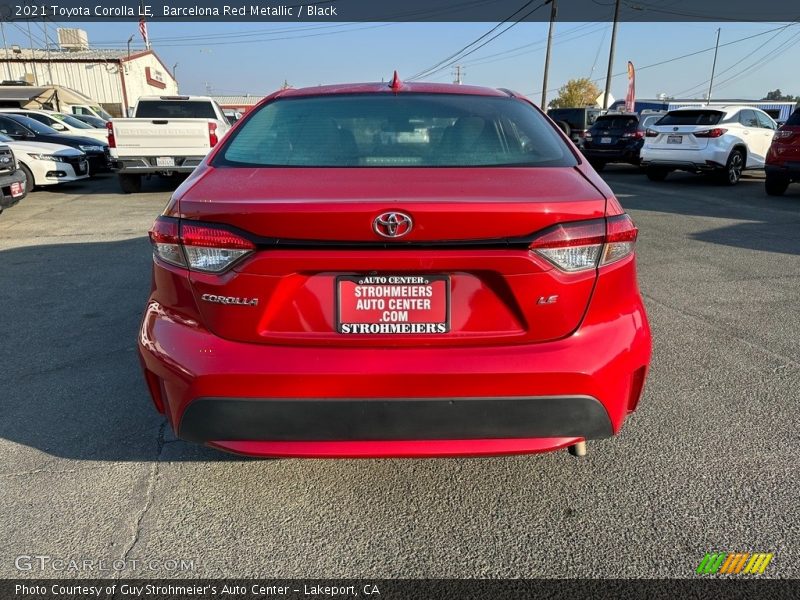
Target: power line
(464, 51)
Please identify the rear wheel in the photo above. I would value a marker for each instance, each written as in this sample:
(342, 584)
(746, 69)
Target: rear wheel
(130, 184)
(657, 173)
(732, 172)
(775, 185)
(30, 182)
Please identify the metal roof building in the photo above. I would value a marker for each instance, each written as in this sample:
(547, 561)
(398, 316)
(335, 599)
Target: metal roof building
(112, 78)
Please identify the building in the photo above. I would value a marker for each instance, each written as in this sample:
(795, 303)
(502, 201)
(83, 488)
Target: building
(238, 103)
(114, 79)
(779, 111)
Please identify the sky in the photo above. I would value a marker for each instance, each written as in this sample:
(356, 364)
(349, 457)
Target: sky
(256, 58)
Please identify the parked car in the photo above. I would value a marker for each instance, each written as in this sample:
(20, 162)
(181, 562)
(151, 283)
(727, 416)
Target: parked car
(723, 141)
(612, 138)
(87, 109)
(47, 164)
(167, 135)
(26, 129)
(61, 123)
(12, 179)
(575, 122)
(783, 158)
(93, 121)
(402, 269)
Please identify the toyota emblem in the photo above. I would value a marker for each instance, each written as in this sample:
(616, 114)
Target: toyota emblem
(392, 224)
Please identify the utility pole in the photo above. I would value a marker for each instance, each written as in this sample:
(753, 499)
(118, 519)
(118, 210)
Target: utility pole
(611, 55)
(8, 60)
(459, 72)
(33, 63)
(175, 75)
(553, 11)
(130, 39)
(713, 67)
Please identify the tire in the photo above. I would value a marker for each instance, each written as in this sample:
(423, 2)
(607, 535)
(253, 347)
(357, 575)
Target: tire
(130, 184)
(732, 172)
(30, 182)
(775, 185)
(657, 173)
(564, 126)
(598, 165)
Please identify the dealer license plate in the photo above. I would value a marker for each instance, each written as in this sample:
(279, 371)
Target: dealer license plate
(674, 139)
(165, 161)
(392, 304)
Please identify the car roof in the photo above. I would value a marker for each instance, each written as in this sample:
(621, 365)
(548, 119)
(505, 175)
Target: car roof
(383, 87)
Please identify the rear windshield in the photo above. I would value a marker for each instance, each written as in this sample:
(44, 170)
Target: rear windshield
(691, 117)
(794, 118)
(616, 122)
(395, 130)
(174, 109)
(576, 118)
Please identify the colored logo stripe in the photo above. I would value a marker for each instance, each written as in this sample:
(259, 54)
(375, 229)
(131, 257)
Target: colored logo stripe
(733, 563)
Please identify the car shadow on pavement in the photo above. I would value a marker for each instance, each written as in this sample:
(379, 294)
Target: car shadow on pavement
(72, 386)
(764, 223)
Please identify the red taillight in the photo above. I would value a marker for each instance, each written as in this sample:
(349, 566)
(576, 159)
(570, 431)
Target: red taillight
(651, 133)
(582, 245)
(784, 134)
(212, 134)
(112, 142)
(199, 247)
(633, 134)
(710, 133)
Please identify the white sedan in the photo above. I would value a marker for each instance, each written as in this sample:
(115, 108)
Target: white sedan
(719, 140)
(48, 164)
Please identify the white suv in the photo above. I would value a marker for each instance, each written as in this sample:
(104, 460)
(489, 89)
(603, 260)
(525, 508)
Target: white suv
(721, 140)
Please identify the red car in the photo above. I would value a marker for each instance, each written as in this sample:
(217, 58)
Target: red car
(783, 158)
(394, 270)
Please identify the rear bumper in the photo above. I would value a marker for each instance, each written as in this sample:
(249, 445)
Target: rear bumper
(287, 400)
(708, 159)
(7, 199)
(790, 169)
(147, 164)
(256, 419)
(629, 155)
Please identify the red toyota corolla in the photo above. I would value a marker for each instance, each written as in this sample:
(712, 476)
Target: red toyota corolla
(394, 270)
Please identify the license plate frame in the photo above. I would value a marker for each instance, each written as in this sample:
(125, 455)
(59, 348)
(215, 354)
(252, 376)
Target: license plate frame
(165, 161)
(674, 139)
(438, 326)
(605, 140)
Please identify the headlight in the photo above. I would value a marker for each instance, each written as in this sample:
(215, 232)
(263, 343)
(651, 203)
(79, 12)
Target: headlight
(91, 148)
(52, 157)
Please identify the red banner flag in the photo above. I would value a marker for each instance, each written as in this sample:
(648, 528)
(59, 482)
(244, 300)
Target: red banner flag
(143, 31)
(630, 97)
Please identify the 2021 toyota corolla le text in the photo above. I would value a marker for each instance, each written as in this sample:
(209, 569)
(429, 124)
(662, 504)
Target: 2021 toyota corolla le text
(394, 270)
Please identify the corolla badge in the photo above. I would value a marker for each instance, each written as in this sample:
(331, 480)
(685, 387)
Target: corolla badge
(229, 300)
(392, 224)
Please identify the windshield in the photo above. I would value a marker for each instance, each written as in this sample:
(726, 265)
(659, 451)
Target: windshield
(102, 113)
(691, 117)
(175, 109)
(35, 125)
(71, 121)
(387, 130)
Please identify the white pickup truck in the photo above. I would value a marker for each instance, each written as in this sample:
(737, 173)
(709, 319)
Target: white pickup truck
(167, 135)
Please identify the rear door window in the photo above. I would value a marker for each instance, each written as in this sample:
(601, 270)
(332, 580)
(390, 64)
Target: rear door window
(691, 117)
(764, 121)
(748, 118)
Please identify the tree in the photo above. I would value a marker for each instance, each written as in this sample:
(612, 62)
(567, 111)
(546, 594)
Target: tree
(576, 92)
(778, 96)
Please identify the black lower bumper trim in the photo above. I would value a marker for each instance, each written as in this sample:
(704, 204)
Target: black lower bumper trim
(230, 419)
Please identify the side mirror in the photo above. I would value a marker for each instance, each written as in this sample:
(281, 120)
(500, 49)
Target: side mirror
(59, 126)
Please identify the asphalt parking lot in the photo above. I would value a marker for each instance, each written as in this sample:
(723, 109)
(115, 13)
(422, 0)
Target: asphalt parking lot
(708, 463)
